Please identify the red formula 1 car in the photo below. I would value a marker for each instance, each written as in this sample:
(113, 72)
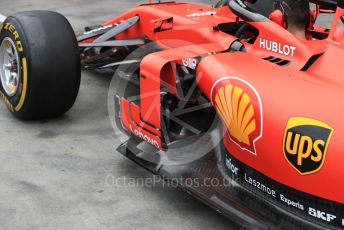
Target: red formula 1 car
(205, 95)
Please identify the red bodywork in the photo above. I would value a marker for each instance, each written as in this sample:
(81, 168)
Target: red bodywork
(305, 88)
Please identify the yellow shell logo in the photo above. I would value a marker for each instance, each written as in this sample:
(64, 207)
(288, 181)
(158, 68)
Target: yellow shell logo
(239, 106)
(236, 110)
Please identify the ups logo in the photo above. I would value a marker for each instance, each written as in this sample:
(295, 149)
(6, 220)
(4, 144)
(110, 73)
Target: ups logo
(305, 144)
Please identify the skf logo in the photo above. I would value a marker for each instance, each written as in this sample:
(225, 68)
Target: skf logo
(305, 144)
(240, 108)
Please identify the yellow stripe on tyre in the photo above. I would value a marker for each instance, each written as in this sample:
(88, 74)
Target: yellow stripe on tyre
(24, 90)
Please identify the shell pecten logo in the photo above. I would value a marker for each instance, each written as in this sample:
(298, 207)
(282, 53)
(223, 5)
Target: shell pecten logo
(235, 108)
(240, 108)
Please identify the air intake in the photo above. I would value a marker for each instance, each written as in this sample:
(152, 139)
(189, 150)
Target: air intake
(277, 61)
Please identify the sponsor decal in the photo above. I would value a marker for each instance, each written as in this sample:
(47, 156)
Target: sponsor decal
(277, 47)
(98, 29)
(12, 29)
(231, 166)
(300, 203)
(190, 62)
(208, 13)
(321, 215)
(289, 202)
(305, 144)
(140, 134)
(8, 26)
(239, 105)
(261, 186)
(7, 102)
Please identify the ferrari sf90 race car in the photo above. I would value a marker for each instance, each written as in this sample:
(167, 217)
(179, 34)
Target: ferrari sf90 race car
(223, 101)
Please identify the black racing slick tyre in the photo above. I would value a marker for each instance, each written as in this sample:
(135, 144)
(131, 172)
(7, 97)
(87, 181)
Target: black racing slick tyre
(39, 65)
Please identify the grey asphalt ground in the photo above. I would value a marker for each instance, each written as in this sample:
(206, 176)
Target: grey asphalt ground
(60, 174)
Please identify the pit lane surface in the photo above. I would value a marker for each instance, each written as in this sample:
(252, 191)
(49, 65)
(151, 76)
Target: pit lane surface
(59, 174)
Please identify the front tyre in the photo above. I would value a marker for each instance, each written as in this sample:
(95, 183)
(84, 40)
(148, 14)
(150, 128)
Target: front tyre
(39, 65)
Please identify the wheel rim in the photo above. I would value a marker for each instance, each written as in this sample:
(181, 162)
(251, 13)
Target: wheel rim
(9, 67)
